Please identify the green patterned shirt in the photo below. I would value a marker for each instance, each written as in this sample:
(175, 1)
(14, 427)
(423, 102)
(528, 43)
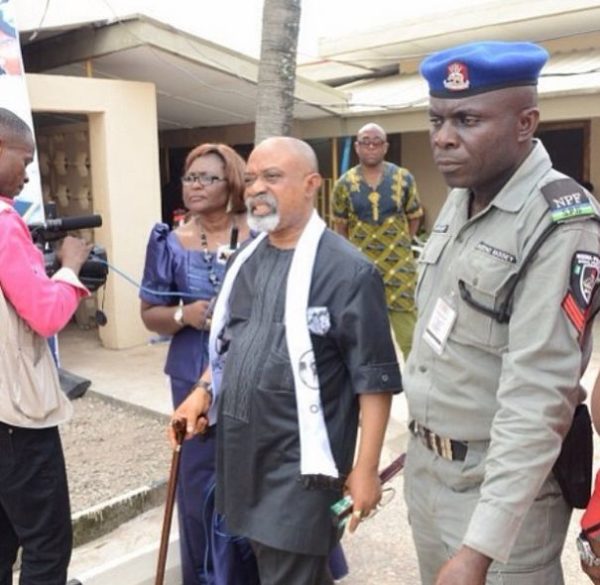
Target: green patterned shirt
(377, 222)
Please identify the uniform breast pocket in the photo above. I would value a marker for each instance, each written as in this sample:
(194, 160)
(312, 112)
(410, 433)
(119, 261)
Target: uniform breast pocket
(429, 257)
(484, 281)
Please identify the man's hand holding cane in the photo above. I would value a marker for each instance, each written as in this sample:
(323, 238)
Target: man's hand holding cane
(193, 410)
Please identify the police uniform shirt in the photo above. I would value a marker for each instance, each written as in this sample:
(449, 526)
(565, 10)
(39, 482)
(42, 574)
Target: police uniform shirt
(515, 384)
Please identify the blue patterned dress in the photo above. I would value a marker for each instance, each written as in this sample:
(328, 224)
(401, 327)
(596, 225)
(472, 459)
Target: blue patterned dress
(208, 554)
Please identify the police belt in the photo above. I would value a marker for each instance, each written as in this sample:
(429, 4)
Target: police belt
(447, 448)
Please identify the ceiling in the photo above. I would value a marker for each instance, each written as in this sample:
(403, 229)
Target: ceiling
(201, 85)
(198, 84)
(400, 46)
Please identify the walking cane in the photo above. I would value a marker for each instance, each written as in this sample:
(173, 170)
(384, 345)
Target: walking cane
(179, 426)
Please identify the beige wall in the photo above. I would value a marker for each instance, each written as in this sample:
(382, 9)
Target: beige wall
(416, 157)
(555, 108)
(125, 180)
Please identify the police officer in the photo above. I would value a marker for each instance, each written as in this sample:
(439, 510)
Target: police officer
(506, 281)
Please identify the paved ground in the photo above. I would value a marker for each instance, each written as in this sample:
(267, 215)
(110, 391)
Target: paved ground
(381, 552)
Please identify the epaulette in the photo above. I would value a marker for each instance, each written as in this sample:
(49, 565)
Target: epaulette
(568, 201)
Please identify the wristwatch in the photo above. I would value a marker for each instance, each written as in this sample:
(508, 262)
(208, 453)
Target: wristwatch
(586, 553)
(178, 315)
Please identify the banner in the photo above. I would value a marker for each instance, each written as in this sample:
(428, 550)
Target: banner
(14, 97)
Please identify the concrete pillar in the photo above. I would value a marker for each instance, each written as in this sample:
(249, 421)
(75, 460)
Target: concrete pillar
(417, 158)
(125, 180)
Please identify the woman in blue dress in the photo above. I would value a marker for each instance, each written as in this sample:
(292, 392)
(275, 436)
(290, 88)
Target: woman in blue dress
(184, 270)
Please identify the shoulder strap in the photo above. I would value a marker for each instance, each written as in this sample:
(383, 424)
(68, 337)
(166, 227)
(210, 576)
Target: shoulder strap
(567, 202)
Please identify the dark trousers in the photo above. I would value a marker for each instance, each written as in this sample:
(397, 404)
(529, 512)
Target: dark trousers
(209, 553)
(195, 505)
(280, 567)
(34, 506)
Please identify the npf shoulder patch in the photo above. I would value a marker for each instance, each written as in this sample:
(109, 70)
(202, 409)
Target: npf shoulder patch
(567, 200)
(585, 275)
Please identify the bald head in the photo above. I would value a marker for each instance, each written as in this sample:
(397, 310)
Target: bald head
(372, 128)
(371, 146)
(301, 151)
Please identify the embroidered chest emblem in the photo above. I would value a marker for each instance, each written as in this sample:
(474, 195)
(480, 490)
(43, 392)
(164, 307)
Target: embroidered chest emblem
(457, 78)
(374, 199)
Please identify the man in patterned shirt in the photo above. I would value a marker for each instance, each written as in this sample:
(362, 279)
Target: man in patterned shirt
(376, 206)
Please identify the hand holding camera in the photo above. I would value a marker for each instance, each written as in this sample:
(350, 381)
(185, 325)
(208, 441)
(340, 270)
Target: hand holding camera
(73, 252)
(88, 261)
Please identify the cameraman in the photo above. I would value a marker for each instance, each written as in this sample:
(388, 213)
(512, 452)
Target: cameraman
(34, 499)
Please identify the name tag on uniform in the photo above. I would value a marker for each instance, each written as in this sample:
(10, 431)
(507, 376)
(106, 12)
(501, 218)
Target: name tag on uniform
(439, 326)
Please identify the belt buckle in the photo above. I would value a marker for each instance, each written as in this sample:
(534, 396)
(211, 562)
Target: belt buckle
(441, 446)
(447, 450)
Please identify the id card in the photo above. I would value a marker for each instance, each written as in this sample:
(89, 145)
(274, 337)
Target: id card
(439, 326)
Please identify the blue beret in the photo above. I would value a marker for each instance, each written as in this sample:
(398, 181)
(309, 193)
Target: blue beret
(484, 66)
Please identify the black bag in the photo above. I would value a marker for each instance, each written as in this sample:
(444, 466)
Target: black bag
(573, 468)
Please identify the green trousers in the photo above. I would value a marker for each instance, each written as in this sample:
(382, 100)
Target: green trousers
(403, 324)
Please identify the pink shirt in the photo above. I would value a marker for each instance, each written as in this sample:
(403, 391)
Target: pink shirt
(46, 304)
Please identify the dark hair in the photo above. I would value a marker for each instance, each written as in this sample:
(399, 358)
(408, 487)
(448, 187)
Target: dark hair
(10, 123)
(587, 185)
(234, 170)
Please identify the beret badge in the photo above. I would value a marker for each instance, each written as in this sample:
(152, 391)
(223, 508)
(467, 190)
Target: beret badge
(457, 78)
(474, 68)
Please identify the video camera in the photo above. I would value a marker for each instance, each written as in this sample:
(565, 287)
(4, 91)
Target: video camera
(94, 271)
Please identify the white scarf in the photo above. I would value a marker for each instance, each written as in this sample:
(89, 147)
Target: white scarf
(315, 451)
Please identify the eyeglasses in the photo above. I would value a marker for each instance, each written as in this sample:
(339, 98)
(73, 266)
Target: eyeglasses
(367, 142)
(204, 180)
